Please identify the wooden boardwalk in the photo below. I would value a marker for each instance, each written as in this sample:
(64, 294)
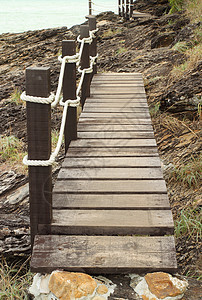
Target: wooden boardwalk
(111, 212)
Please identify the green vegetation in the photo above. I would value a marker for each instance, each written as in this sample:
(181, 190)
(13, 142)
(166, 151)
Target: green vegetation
(111, 33)
(189, 223)
(121, 50)
(154, 109)
(11, 150)
(189, 173)
(181, 47)
(15, 278)
(176, 5)
(15, 97)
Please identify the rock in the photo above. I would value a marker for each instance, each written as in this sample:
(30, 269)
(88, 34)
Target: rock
(98, 298)
(162, 40)
(66, 286)
(19, 195)
(159, 285)
(102, 289)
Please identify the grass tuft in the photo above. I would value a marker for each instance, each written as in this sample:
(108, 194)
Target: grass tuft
(15, 278)
(189, 173)
(189, 222)
(15, 97)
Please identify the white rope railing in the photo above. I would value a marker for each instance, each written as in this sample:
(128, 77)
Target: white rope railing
(55, 99)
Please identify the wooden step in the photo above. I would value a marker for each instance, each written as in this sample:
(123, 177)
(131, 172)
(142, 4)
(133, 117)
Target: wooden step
(109, 173)
(112, 222)
(113, 162)
(116, 135)
(113, 143)
(113, 128)
(112, 152)
(110, 201)
(103, 254)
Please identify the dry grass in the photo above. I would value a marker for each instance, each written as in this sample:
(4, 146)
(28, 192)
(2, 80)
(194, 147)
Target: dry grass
(15, 278)
(194, 55)
(111, 33)
(194, 10)
(11, 152)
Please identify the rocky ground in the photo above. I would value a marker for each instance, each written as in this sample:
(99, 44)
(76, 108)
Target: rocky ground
(158, 46)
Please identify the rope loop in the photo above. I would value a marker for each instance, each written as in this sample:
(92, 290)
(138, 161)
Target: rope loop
(41, 100)
(69, 59)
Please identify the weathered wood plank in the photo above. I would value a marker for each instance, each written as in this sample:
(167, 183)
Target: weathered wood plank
(98, 103)
(113, 162)
(116, 115)
(90, 109)
(115, 85)
(110, 173)
(112, 152)
(110, 222)
(116, 91)
(111, 120)
(115, 143)
(113, 127)
(107, 201)
(110, 186)
(116, 135)
(103, 254)
(130, 96)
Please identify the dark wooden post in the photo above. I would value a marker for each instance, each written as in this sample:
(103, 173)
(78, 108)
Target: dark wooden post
(119, 7)
(131, 8)
(39, 148)
(85, 63)
(69, 92)
(123, 9)
(93, 46)
(127, 10)
(90, 7)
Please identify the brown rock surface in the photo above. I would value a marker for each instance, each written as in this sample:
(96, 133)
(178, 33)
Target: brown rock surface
(161, 286)
(65, 285)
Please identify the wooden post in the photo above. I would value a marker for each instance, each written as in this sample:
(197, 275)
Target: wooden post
(90, 7)
(69, 92)
(131, 8)
(93, 46)
(123, 8)
(85, 63)
(119, 7)
(127, 10)
(39, 148)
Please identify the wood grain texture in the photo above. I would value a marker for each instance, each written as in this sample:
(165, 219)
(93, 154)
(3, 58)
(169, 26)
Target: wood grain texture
(116, 115)
(110, 120)
(112, 162)
(112, 152)
(110, 222)
(108, 143)
(116, 135)
(106, 103)
(111, 201)
(103, 254)
(82, 127)
(110, 173)
(98, 109)
(110, 186)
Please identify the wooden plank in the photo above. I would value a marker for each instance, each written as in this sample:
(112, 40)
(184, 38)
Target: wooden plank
(112, 152)
(99, 103)
(116, 135)
(106, 201)
(133, 115)
(112, 162)
(103, 254)
(110, 186)
(110, 121)
(131, 96)
(116, 91)
(105, 143)
(90, 109)
(110, 222)
(113, 127)
(110, 173)
(116, 85)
